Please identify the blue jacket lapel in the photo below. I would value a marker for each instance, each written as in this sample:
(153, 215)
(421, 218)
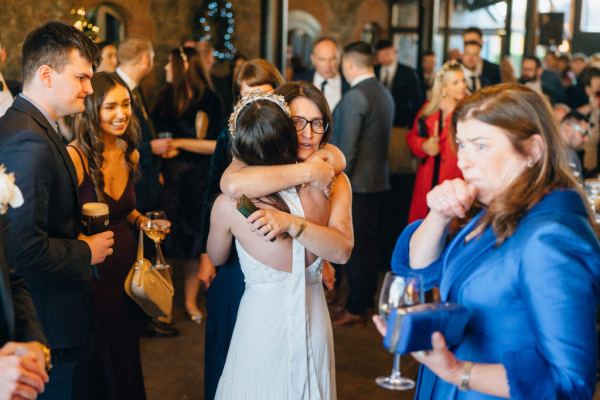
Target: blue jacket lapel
(458, 261)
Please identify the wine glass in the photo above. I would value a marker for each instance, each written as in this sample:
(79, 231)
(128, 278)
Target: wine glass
(156, 227)
(398, 291)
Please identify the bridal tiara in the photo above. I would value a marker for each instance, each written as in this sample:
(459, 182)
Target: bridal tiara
(252, 97)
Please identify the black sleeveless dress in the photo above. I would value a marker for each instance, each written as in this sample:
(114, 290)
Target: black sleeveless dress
(115, 367)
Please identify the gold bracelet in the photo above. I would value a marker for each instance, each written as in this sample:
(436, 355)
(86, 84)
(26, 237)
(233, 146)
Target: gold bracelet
(301, 226)
(47, 356)
(465, 376)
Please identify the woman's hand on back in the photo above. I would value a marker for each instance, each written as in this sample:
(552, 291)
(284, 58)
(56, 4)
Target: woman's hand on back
(321, 172)
(270, 223)
(451, 199)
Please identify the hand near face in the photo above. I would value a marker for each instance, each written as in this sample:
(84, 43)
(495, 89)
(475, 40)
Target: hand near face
(451, 199)
(431, 146)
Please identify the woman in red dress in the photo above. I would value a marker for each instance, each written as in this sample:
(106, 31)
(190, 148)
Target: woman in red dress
(429, 139)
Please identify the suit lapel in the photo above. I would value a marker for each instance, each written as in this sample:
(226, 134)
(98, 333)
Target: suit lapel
(26, 107)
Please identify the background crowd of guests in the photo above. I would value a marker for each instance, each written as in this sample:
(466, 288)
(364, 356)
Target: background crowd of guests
(402, 137)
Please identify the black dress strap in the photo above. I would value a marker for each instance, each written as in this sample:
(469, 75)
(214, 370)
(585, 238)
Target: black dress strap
(80, 158)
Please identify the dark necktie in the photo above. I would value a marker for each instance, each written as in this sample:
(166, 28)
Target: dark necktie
(473, 84)
(1, 86)
(323, 86)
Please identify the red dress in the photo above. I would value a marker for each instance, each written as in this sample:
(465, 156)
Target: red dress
(442, 167)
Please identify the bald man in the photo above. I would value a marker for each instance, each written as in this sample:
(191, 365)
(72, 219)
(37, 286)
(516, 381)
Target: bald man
(326, 74)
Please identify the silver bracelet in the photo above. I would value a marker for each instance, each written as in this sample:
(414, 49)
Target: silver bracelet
(465, 376)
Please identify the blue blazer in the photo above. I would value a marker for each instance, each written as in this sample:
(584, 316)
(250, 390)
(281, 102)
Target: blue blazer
(532, 300)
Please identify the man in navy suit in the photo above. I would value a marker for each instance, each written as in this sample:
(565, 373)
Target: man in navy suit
(478, 71)
(363, 123)
(326, 74)
(45, 244)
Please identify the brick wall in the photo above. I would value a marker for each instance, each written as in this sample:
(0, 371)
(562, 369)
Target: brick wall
(167, 22)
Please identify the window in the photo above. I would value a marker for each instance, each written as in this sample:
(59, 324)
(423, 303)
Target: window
(590, 9)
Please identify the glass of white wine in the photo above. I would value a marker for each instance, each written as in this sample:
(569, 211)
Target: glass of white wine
(398, 291)
(156, 227)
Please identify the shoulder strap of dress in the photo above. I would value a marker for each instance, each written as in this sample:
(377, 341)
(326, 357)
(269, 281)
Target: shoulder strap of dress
(80, 157)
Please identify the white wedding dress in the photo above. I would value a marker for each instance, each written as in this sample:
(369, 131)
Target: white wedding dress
(282, 344)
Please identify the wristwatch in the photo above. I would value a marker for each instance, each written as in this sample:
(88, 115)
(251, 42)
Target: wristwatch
(465, 376)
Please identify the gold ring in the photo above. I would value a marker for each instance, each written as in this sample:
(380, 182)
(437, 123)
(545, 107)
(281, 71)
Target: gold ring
(269, 228)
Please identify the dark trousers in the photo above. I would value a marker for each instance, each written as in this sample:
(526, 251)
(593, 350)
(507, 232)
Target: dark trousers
(397, 206)
(68, 378)
(222, 303)
(368, 253)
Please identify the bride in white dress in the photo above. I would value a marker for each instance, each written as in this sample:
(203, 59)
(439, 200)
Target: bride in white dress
(282, 346)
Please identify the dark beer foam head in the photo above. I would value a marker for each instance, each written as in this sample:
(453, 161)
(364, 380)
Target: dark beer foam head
(94, 209)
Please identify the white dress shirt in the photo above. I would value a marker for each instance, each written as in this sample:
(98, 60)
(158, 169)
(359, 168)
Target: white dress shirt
(332, 90)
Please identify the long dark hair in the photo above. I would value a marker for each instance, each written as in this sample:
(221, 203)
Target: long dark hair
(192, 80)
(292, 90)
(265, 135)
(521, 113)
(89, 136)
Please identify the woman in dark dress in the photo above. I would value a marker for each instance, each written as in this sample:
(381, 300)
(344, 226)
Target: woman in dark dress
(106, 161)
(191, 112)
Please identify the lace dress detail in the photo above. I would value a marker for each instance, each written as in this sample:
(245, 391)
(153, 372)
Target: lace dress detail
(282, 344)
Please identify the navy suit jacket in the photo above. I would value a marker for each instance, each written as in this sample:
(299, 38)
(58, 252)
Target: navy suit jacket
(532, 300)
(490, 74)
(407, 93)
(18, 321)
(42, 241)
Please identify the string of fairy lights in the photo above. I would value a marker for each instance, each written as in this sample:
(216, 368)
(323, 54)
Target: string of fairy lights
(217, 25)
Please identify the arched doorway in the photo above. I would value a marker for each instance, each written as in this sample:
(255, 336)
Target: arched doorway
(303, 29)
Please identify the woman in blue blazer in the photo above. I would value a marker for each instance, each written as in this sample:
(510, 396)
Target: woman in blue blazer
(513, 242)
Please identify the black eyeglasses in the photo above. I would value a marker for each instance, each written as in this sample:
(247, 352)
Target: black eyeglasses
(318, 126)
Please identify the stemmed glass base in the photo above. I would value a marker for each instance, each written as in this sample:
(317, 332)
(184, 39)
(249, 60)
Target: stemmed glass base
(395, 383)
(160, 258)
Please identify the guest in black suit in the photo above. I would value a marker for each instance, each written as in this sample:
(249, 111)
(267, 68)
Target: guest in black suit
(45, 244)
(21, 335)
(403, 83)
(544, 82)
(478, 72)
(326, 74)
(136, 58)
(361, 129)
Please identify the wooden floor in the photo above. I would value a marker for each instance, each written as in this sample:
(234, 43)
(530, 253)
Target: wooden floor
(173, 367)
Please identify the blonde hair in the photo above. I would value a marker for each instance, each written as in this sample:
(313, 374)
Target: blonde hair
(439, 83)
(131, 50)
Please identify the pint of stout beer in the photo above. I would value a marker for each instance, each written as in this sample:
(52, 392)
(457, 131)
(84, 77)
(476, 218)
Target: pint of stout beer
(94, 218)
